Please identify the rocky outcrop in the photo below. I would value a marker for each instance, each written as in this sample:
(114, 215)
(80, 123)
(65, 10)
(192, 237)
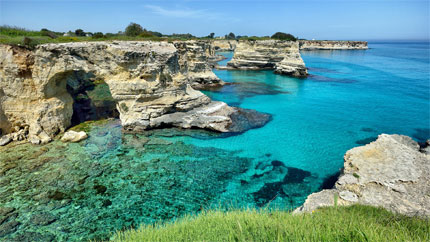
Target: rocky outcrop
(145, 79)
(332, 45)
(390, 172)
(224, 45)
(281, 56)
(194, 60)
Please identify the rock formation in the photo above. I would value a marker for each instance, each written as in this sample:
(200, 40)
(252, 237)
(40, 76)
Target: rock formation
(332, 45)
(390, 172)
(224, 45)
(281, 56)
(194, 62)
(146, 80)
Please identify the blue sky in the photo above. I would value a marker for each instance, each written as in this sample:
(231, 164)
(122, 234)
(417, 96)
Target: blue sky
(323, 19)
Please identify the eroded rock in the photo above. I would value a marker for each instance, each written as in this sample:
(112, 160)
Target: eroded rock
(390, 172)
(281, 56)
(149, 81)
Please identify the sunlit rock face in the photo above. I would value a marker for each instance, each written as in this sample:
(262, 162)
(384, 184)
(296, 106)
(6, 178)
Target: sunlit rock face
(147, 80)
(194, 60)
(332, 45)
(224, 45)
(281, 56)
(391, 172)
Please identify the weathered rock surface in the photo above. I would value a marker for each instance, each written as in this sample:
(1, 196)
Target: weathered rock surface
(224, 45)
(147, 80)
(5, 139)
(390, 172)
(332, 45)
(194, 60)
(73, 136)
(281, 56)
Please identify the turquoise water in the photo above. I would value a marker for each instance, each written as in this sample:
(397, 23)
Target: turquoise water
(112, 181)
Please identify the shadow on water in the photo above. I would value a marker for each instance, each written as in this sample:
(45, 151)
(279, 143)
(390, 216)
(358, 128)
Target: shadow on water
(421, 134)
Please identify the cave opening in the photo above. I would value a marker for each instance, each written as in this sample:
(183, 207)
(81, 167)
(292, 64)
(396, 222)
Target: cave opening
(92, 99)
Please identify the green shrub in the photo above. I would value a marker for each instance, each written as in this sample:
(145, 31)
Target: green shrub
(133, 29)
(98, 35)
(283, 36)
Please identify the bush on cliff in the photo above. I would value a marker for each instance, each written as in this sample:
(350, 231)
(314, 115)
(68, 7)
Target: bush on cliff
(133, 29)
(283, 36)
(355, 223)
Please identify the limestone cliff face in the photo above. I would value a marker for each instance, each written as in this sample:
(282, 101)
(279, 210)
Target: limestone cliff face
(146, 79)
(390, 172)
(281, 56)
(332, 45)
(224, 45)
(194, 62)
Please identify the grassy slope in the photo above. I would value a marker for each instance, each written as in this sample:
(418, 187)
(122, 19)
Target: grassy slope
(355, 223)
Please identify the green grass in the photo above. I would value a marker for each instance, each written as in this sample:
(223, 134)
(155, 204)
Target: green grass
(354, 223)
(15, 36)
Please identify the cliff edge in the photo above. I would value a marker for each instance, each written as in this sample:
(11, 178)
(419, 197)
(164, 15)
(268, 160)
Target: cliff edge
(281, 56)
(391, 172)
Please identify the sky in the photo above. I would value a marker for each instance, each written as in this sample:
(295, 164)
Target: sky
(310, 19)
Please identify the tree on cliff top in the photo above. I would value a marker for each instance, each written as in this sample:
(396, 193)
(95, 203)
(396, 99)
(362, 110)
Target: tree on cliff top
(133, 29)
(230, 36)
(283, 36)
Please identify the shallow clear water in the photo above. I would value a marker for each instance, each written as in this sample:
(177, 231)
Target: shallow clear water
(111, 181)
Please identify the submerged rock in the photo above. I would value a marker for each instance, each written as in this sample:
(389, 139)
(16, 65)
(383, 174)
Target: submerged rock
(73, 136)
(390, 172)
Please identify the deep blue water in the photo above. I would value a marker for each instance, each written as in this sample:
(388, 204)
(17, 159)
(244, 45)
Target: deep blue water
(111, 181)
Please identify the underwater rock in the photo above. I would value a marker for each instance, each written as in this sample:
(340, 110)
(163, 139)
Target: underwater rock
(42, 218)
(34, 236)
(73, 136)
(391, 173)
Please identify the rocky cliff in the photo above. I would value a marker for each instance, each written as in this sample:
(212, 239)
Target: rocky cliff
(194, 60)
(281, 56)
(224, 45)
(391, 172)
(332, 45)
(148, 81)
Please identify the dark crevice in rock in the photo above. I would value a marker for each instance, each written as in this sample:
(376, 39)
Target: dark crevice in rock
(92, 99)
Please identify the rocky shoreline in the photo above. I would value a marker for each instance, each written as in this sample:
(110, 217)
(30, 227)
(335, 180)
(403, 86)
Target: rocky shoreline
(332, 45)
(151, 84)
(392, 172)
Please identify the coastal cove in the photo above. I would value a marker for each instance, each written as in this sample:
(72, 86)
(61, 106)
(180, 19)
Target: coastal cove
(114, 180)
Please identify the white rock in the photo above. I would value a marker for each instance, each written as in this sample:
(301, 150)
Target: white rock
(5, 139)
(72, 136)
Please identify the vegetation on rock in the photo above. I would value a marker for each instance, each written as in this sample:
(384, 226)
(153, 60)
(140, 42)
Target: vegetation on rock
(283, 36)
